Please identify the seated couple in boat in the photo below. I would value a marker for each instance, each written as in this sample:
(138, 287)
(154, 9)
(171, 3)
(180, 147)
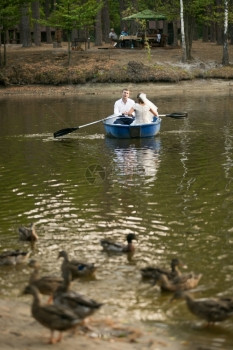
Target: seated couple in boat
(143, 110)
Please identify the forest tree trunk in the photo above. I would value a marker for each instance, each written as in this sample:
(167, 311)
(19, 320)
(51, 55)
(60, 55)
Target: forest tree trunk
(105, 21)
(189, 25)
(213, 32)
(36, 25)
(219, 31)
(175, 34)
(98, 29)
(205, 34)
(183, 38)
(48, 28)
(225, 57)
(25, 32)
(231, 33)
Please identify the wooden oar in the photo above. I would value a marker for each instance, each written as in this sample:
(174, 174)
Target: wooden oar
(66, 131)
(177, 115)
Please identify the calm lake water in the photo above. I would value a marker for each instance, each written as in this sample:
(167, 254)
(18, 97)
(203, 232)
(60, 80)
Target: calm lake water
(174, 191)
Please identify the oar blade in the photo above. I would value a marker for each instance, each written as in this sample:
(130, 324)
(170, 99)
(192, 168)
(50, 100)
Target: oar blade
(66, 131)
(178, 115)
(63, 132)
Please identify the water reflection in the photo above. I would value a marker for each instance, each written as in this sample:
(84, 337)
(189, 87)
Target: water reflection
(228, 150)
(136, 160)
(186, 180)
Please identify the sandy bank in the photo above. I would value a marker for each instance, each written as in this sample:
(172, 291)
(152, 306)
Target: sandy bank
(18, 330)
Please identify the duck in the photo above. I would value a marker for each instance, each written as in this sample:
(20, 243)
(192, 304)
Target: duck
(179, 283)
(110, 246)
(210, 309)
(77, 268)
(81, 305)
(151, 272)
(53, 317)
(28, 233)
(14, 257)
(46, 285)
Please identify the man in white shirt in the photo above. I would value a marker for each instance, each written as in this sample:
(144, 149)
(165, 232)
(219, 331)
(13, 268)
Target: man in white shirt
(113, 36)
(124, 104)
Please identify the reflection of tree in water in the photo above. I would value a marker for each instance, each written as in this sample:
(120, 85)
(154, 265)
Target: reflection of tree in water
(185, 189)
(228, 167)
(186, 181)
(137, 161)
(228, 164)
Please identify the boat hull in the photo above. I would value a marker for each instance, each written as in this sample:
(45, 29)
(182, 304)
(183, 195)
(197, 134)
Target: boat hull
(122, 131)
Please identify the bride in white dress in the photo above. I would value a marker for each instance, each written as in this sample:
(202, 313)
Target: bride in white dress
(144, 110)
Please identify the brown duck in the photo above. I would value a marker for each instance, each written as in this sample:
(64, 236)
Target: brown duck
(14, 257)
(77, 268)
(110, 246)
(53, 317)
(81, 305)
(181, 283)
(210, 309)
(28, 233)
(46, 285)
(153, 273)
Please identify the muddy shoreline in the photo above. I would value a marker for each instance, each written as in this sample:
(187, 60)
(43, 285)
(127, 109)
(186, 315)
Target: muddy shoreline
(18, 330)
(196, 87)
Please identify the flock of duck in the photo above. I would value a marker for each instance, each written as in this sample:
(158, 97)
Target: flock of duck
(65, 308)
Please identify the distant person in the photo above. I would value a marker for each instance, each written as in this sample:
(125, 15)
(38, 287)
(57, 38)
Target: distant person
(144, 110)
(113, 36)
(124, 104)
(159, 37)
(124, 32)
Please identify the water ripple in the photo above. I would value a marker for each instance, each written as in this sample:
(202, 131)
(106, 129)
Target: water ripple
(174, 191)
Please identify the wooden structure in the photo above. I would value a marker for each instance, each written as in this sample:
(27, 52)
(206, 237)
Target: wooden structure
(134, 41)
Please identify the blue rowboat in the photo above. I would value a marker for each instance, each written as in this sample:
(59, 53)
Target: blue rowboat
(119, 127)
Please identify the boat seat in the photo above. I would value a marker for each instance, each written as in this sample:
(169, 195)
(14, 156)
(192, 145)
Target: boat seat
(124, 120)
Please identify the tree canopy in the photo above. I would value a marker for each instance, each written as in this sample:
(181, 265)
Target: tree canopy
(204, 15)
(69, 14)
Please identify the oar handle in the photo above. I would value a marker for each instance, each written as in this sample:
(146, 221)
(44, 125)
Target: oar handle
(98, 121)
(83, 126)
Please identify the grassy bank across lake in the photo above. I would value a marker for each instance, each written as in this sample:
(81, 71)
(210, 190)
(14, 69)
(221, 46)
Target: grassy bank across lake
(49, 66)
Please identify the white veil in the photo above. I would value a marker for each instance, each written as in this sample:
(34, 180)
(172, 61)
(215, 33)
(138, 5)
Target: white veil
(148, 103)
